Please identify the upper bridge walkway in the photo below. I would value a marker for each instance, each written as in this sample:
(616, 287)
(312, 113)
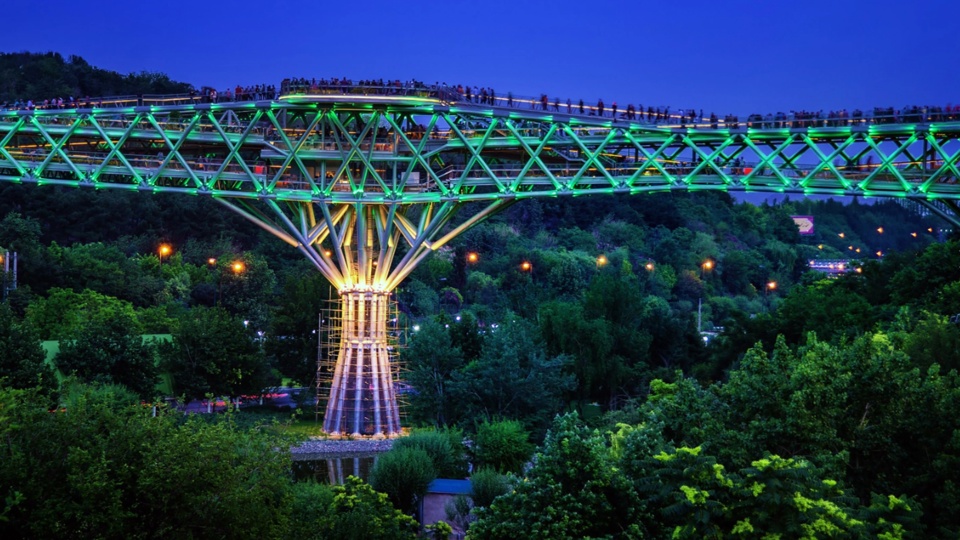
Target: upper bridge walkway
(390, 145)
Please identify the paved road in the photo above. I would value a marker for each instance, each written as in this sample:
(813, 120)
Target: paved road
(276, 399)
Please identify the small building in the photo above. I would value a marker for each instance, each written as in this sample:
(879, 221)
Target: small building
(434, 503)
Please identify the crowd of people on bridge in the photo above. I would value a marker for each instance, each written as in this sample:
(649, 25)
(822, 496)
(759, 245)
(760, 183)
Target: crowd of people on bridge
(51, 104)
(345, 85)
(487, 96)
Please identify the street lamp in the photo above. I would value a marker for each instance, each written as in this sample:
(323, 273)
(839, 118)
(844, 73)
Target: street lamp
(237, 267)
(601, 260)
(211, 261)
(649, 267)
(526, 266)
(164, 250)
(841, 235)
(706, 266)
(472, 257)
(880, 230)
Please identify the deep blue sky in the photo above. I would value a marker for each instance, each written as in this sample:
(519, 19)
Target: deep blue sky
(746, 56)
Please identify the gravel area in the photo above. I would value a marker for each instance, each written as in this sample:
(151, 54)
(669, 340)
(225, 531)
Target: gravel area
(322, 448)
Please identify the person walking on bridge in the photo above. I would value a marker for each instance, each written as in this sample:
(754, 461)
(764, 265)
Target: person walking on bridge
(568, 106)
(599, 107)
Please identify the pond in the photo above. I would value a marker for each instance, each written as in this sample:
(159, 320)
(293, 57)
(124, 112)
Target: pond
(332, 469)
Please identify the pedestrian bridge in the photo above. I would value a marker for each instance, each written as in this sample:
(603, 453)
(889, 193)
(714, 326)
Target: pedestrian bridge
(367, 184)
(344, 148)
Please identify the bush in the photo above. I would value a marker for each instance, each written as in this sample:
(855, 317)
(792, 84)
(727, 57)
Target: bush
(111, 352)
(353, 511)
(445, 449)
(309, 511)
(503, 445)
(404, 475)
(486, 485)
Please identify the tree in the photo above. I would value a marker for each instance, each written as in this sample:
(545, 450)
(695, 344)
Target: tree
(445, 449)
(65, 312)
(773, 498)
(511, 379)
(504, 446)
(404, 474)
(431, 360)
(292, 342)
(111, 352)
(22, 358)
(572, 491)
(115, 472)
(358, 512)
(213, 353)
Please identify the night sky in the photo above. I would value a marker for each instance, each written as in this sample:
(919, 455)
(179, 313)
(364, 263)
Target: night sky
(725, 57)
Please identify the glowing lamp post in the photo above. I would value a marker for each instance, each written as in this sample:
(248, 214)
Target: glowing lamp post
(526, 266)
(601, 260)
(472, 257)
(163, 251)
(649, 267)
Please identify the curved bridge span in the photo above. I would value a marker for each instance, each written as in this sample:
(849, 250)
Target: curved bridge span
(366, 186)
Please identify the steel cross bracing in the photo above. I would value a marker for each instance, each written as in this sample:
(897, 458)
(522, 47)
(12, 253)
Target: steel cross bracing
(367, 189)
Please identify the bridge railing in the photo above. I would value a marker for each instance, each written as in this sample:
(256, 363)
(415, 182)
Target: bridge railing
(650, 115)
(661, 116)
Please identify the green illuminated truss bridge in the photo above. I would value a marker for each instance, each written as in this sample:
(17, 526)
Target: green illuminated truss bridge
(366, 186)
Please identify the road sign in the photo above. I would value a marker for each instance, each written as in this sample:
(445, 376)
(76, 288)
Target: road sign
(804, 223)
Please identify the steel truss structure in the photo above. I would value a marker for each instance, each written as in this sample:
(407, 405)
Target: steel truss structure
(366, 187)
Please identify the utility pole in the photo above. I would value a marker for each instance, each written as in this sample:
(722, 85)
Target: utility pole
(5, 258)
(699, 312)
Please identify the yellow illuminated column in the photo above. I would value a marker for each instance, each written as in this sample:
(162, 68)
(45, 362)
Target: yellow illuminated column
(362, 397)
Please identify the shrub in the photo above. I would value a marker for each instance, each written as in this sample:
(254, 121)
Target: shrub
(486, 485)
(404, 475)
(503, 445)
(445, 449)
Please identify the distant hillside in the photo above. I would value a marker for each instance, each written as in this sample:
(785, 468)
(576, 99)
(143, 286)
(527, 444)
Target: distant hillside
(39, 76)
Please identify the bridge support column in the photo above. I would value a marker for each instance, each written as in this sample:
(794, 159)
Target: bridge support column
(359, 248)
(363, 399)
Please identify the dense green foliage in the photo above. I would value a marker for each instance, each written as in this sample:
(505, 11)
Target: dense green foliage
(21, 356)
(638, 486)
(213, 353)
(504, 446)
(111, 353)
(445, 449)
(106, 470)
(353, 511)
(40, 76)
(404, 475)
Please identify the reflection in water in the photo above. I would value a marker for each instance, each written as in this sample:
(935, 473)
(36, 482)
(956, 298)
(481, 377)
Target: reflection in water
(333, 470)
